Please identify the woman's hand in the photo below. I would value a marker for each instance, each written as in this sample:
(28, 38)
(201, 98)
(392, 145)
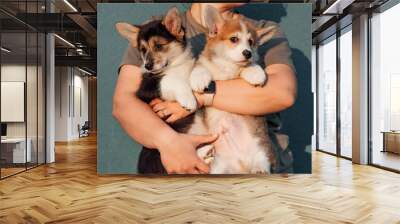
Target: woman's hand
(172, 111)
(178, 153)
(169, 111)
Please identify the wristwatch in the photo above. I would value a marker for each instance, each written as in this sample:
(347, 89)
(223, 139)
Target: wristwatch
(209, 93)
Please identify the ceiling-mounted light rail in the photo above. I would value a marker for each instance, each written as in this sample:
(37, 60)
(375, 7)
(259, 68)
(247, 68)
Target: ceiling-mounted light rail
(337, 7)
(64, 40)
(70, 5)
(5, 49)
(84, 71)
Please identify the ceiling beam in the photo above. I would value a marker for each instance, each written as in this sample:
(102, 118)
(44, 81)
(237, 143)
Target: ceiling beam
(83, 23)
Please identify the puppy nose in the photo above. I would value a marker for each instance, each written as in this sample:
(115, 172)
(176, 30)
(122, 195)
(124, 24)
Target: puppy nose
(247, 54)
(149, 65)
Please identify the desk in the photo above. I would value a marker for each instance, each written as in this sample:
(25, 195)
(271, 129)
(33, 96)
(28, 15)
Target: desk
(15, 148)
(391, 141)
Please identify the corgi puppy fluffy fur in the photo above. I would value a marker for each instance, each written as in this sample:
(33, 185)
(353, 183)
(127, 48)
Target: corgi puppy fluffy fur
(243, 145)
(167, 59)
(167, 65)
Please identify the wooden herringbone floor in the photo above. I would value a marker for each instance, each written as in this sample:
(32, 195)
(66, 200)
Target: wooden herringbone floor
(70, 191)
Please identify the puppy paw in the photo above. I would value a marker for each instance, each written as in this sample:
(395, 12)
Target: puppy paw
(206, 153)
(200, 78)
(187, 101)
(261, 164)
(254, 75)
(260, 170)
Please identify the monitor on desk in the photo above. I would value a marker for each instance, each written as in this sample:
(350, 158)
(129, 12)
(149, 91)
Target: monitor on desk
(3, 130)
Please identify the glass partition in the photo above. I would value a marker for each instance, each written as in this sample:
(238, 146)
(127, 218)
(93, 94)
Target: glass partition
(31, 100)
(14, 153)
(22, 77)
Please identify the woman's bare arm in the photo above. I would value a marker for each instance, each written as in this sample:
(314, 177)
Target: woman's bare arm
(135, 116)
(178, 151)
(237, 96)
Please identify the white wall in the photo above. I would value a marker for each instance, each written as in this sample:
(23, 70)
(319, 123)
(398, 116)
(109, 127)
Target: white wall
(62, 82)
(12, 73)
(33, 127)
(70, 83)
(80, 84)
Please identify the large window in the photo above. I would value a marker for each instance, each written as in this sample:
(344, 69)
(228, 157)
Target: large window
(335, 137)
(385, 89)
(345, 42)
(327, 95)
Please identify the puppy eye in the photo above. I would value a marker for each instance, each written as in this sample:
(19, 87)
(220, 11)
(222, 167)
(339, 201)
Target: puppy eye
(234, 39)
(157, 47)
(251, 42)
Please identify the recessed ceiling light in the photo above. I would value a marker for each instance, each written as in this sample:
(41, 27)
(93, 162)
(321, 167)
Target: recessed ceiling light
(336, 8)
(84, 71)
(5, 50)
(70, 5)
(65, 41)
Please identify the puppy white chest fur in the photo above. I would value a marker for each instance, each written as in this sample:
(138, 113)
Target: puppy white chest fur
(174, 80)
(221, 69)
(174, 85)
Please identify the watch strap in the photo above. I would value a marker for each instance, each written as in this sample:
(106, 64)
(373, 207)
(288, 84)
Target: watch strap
(208, 99)
(209, 93)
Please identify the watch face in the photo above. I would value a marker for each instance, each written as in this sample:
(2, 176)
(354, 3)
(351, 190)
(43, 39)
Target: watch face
(210, 88)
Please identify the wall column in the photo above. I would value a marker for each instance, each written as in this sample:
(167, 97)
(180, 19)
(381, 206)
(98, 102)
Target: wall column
(50, 92)
(360, 90)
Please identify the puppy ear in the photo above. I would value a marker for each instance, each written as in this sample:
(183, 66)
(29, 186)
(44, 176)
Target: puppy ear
(172, 21)
(264, 34)
(213, 20)
(128, 31)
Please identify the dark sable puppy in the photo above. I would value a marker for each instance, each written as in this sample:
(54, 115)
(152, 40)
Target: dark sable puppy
(167, 63)
(152, 41)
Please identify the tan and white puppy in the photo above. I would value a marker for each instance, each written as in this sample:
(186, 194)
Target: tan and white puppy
(243, 145)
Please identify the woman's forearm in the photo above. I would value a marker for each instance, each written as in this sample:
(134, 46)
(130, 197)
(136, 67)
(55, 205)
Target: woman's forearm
(237, 96)
(135, 116)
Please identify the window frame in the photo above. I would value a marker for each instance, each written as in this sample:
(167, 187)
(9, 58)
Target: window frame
(338, 33)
